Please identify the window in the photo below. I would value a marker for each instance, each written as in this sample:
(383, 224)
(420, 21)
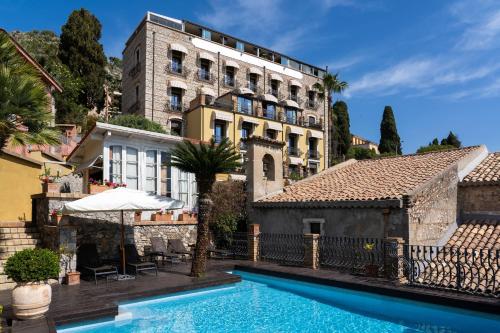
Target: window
(166, 175)
(229, 77)
(151, 171)
(137, 93)
(293, 93)
(311, 120)
(244, 105)
(311, 98)
(137, 56)
(246, 130)
(194, 194)
(252, 82)
(313, 151)
(274, 88)
(132, 168)
(271, 134)
(268, 167)
(293, 64)
(240, 46)
(269, 110)
(115, 164)
(206, 34)
(176, 127)
(284, 61)
(219, 131)
(177, 62)
(313, 168)
(291, 116)
(205, 69)
(292, 145)
(183, 187)
(176, 99)
(315, 227)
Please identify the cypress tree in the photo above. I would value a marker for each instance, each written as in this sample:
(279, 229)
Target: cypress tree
(79, 49)
(342, 134)
(452, 140)
(434, 142)
(389, 138)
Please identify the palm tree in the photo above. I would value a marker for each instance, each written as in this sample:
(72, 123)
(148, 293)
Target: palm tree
(204, 161)
(331, 85)
(24, 104)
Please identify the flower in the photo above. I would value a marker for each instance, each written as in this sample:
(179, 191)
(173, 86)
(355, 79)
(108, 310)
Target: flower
(56, 212)
(369, 246)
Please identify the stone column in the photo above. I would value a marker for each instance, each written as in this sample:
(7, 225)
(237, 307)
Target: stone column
(253, 242)
(311, 251)
(393, 254)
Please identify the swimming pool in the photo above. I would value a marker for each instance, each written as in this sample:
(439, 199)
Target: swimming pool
(262, 303)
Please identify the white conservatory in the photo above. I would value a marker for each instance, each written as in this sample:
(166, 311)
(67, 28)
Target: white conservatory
(133, 157)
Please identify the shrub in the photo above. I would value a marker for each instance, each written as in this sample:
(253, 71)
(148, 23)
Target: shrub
(360, 153)
(138, 122)
(32, 265)
(427, 149)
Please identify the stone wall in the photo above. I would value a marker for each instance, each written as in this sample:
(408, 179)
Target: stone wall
(143, 232)
(479, 199)
(432, 209)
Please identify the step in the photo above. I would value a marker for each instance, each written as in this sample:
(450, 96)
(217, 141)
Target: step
(18, 241)
(18, 235)
(18, 230)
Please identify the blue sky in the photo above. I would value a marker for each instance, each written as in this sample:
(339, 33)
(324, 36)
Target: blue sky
(437, 63)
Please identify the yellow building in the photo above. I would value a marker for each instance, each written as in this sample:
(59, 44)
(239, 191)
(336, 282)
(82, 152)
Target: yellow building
(240, 115)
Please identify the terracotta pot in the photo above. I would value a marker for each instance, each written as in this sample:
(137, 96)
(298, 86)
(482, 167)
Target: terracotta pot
(371, 270)
(50, 187)
(188, 217)
(166, 217)
(55, 219)
(31, 300)
(94, 189)
(137, 216)
(72, 278)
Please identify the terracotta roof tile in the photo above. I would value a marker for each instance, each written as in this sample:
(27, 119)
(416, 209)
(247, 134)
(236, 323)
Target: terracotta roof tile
(488, 171)
(477, 233)
(378, 179)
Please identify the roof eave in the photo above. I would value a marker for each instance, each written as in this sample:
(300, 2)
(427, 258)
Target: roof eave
(384, 203)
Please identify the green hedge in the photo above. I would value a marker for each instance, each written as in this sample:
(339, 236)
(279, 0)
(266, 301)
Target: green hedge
(137, 122)
(33, 265)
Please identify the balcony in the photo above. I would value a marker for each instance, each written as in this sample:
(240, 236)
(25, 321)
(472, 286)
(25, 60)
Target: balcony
(135, 70)
(295, 98)
(205, 76)
(177, 69)
(176, 107)
(276, 93)
(312, 104)
(313, 154)
(255, 88)
(294, 151)
(314, 124)
(229, 82)
(134, 107)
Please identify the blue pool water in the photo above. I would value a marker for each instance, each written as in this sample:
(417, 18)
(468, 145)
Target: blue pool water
(267, 304)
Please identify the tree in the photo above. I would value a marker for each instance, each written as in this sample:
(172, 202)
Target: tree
(342, 134)
(360, 153)
(24, 105)
(434, 142)
(79, 49)
(331, 85)
(204, 161)
(389, 138)
(139, 122)
(453, 140)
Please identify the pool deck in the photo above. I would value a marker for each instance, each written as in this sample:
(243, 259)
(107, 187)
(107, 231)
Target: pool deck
(89, 302)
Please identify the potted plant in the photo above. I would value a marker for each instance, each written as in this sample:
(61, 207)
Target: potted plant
(138, 216)
(96, 186)
(161, 215)
(48, 182)
(188, 216)
(31, 269)
(56, 216)
(67, 254)
(370, 269)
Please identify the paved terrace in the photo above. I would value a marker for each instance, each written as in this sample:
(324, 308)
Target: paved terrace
(87, 302)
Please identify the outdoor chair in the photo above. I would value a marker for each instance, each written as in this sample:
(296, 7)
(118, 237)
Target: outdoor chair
(133, 259)
(88, 261)
(177, 246)
(159, 249)
(218, 253)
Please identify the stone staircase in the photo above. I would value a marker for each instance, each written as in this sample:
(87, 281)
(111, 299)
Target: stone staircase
(15, 237)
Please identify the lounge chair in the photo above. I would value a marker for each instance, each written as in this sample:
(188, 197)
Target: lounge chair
(132, 258)
(177, 246)
(88, 261)
(159, 249)
(218, 253)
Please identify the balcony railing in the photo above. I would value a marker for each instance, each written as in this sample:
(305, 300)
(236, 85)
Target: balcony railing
(276, 93)
(313, 154)
(244, 108)
(295, 98)
(292, 120)
(135, 70)
(312, 104)
(134, 107)
(294, 151)
(229, 81)
(314, 124)
(178, 69)
(218, 139)
(206, 76)
(176, 107)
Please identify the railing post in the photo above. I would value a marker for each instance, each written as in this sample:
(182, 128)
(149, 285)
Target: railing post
(253, 242)
(393, 255)
(311, 251)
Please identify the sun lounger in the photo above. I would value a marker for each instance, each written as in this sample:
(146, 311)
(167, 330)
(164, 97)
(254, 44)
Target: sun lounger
(88, 261)
(133, 259)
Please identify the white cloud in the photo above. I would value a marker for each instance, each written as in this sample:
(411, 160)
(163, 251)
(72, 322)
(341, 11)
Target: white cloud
(344, 63)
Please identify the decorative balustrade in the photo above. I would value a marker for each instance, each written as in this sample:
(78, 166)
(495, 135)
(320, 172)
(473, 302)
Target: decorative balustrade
(282, 248)
(176, 107)
(236, 244)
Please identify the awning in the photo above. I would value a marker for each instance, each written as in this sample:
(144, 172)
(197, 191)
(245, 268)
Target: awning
(178, 84)
(315, 134)
(250, 120)
(276, 77)
(296, 160)
(295, 83)
(255, 70)
(208, 56)
(289, 102)
(231, 63)
(225, 116)
(244, 91)
(207, 91)
(89, 164)
(274, 126)
(296, 130)
(178, 47)
(269, 98)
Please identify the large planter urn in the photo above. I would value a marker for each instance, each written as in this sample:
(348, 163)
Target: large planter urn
(50, 187)
(188, 217)
(94, 188)
(31, 300)
(72, 278)
(165, 217)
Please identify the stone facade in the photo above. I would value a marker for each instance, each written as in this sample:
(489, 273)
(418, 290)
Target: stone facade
(479, 199)
(144, 232)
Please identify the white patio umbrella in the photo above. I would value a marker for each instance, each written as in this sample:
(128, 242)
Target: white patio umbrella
(121, 200)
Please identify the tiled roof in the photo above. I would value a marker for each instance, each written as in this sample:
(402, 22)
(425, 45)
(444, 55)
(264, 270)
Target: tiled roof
(378, 179)
(477, 233)
(488, 171)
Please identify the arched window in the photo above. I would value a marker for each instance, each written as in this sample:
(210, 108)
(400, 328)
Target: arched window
(268, 167)
(176, 127)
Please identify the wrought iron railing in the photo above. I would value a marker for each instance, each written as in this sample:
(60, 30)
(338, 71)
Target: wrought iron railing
(351, 254)
(176, 107)
(229, 81)
(135, 70)
(235, 243)
(313, 124)
(178, 69)
(206, 76)
(286, 249)
(313, 154)
(475, 271)
(294, 151)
